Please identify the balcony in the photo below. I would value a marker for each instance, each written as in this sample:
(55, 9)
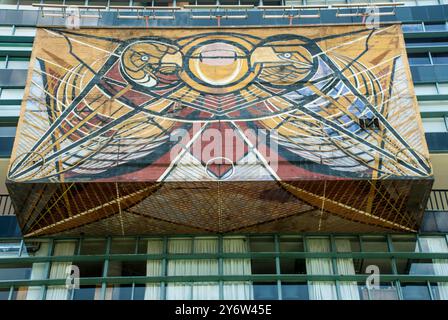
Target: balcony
(6, 207)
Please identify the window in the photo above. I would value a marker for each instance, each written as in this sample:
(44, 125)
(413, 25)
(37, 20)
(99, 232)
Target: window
(93, 247)
(295, 291)
(292, 266)
(122, 246)
(20, 64)
(440, 26)
(434, 105)
(291, 244)
(415, 291)
(25, 31)
(374, 244)
(412, 27)
(119, 292)
(262, 244)
(4, 293)
(9, 248)
(263, 266)
(443, 88)
(265, 291)
(386, 291)
(11, 94)
(425, 89)
(127, 268)
(404, 243)
(87, 292)
(415, 266)
(15, 271)
(434, 125)
(6, 140)
(419, 59)
(353, 244)
(440, 57)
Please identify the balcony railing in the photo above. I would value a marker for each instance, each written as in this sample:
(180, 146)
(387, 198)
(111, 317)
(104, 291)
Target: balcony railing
(6, 208)
(438, 201)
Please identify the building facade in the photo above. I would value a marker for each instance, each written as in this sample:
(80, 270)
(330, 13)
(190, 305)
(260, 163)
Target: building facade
(91, 93)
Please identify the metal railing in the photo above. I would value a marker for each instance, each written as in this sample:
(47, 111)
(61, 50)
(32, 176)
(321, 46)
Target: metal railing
(438, 201)
(6, 207)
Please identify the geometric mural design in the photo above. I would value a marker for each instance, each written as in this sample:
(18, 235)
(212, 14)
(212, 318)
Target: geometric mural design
(191, 130)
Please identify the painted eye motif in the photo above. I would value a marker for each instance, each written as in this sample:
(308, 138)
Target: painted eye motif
(286, 55)
(144, 58)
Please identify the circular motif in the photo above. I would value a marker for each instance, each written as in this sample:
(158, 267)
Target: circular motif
(220, 162)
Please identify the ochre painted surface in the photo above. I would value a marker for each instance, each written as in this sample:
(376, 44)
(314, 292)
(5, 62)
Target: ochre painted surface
(219, 130)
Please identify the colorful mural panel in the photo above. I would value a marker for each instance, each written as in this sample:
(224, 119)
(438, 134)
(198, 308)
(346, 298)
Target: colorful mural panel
(289, 108)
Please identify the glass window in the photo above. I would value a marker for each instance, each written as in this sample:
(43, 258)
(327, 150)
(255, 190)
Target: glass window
(440, 57)
(419, 59)
(93, 247)
(433, 244)
(347, 244)
(439, 290)
(374, 244)
(292, 266)
(291, 244)
(434, 124)
(415, 291)
(385, 291)
(87, 292)
(18, 64)
(404, 243)
(119, 292)
(15, 271)
(4, 293)
(20, 293)
(25, 31)
(180, 245)
(440, 26)
(384, 264)
(90, 269)
(205, 245)
(263, 266)
(7, 132)
(35, 248)
(123, 246)
(262, 244)
(11, 94)
(425, 89)
(127, 268)
(5, 30)
(265, 291)
(9, 248)
(412, 27)
(139, 291)
(150, 246)
(443, 89)
(415, 266)
(295, 291)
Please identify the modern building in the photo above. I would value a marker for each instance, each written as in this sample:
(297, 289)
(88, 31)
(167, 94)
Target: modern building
(223, 150)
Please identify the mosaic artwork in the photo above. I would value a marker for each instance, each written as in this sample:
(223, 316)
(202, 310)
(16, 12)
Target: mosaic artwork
(192, 130)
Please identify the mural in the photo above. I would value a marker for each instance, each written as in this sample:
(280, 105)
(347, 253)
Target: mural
(285, 108)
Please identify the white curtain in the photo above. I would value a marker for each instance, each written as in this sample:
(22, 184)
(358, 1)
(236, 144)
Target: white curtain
(59, 270)
(320, 290)
(38, 272)
(348, 289)
(439, 245)
(242, 290)
(192, 267)
(153, 268)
